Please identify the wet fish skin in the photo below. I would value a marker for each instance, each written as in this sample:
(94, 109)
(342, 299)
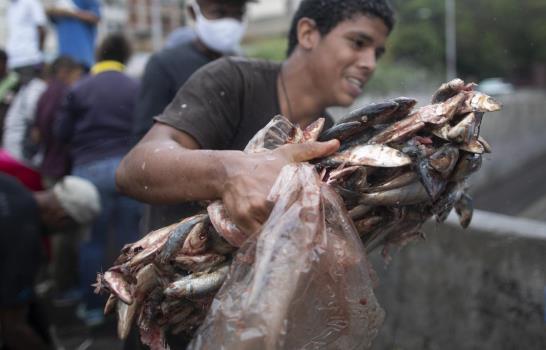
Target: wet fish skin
(486, 146)
(431, 180)
(126, 316)
(444, 160)
(118, 286)
(147, 279)
(366, 225)
(341, 131)
(194, 286)
(313, 130)
(111, 304)
(464, 208)
(463, 132)
(197, 240)
(371, 155)
(359, 211)
(177, 237)
(410, 194)
(199, 263)
(447, 90)
(468, 164)
(474, 146)
(399, 181)
(370, 112)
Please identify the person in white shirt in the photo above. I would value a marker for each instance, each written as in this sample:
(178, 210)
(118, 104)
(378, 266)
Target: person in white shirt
(19, 119)
(26, 20)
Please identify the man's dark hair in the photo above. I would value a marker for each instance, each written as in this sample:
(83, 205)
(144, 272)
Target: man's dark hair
(114, 47)
(63, 62)
(327, 14)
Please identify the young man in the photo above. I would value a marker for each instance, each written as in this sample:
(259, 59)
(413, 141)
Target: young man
(23, 217)
(216, 22)
(193, 151)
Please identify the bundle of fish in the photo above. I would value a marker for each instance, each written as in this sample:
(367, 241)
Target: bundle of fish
(396, 168)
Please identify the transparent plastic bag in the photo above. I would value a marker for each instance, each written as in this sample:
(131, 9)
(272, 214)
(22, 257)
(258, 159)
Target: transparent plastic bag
(303, 282)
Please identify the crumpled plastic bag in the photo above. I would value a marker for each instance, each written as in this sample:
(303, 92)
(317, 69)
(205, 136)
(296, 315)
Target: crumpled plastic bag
(303, 282)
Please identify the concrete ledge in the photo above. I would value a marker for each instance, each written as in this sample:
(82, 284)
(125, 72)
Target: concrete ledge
(480, 288)
(502, 225)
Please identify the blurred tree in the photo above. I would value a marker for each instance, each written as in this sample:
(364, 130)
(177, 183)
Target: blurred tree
(494, 37)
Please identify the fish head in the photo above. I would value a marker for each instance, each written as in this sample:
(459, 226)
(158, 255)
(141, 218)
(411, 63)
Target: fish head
(484, 103)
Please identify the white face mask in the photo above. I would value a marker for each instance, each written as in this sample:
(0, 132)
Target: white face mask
(222, 35)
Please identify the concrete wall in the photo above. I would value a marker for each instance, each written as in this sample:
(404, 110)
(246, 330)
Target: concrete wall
(517, 135)
(483, 288)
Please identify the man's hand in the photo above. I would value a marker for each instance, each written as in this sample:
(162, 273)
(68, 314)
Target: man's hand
(250, 177)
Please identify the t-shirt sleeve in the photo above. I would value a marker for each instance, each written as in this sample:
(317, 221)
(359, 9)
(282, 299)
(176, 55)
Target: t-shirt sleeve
(208, 105)
(38, 13)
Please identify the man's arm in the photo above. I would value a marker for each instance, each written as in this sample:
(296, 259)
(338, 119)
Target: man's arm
(84, 16)
(166, 166)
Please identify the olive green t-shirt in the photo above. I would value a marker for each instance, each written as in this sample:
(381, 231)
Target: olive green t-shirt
(222, 106)
(225, 102)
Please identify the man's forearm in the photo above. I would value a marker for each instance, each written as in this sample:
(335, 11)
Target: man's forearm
(86, 16)
(164, 172)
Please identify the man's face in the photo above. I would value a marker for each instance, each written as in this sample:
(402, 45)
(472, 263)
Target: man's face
(216, 9)
(346, 57)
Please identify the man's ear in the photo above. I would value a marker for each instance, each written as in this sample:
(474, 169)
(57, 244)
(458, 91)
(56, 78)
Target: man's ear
(308, 34)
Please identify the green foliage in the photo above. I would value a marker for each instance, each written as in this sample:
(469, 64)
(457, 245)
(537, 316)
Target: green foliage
(494, 37)
(273, 49)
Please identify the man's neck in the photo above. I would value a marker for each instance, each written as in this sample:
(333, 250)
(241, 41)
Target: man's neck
(205, 50)
(298, 99)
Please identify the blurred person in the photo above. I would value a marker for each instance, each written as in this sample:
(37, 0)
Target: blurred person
(334, 47)
(25, 217)
(179, 36)
(96, 120)
(55, 163)
(76, 24)
(26, 24)
(8, 87)
(19, 119)
(218, 29)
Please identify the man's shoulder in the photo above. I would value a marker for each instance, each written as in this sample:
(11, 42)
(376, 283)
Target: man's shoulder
(242, 66)
(253, 64)
(176, 54)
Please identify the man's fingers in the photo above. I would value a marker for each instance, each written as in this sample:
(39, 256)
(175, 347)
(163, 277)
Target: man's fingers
(311, 150)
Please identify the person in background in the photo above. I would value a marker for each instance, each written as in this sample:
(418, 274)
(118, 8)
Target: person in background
(19, 121)
(55, 163)
(218, 29)
(26, 24)
(76, 25)
(179, 36)
(53, 166)
(8, 87)
(25, 217)
(96, 121)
